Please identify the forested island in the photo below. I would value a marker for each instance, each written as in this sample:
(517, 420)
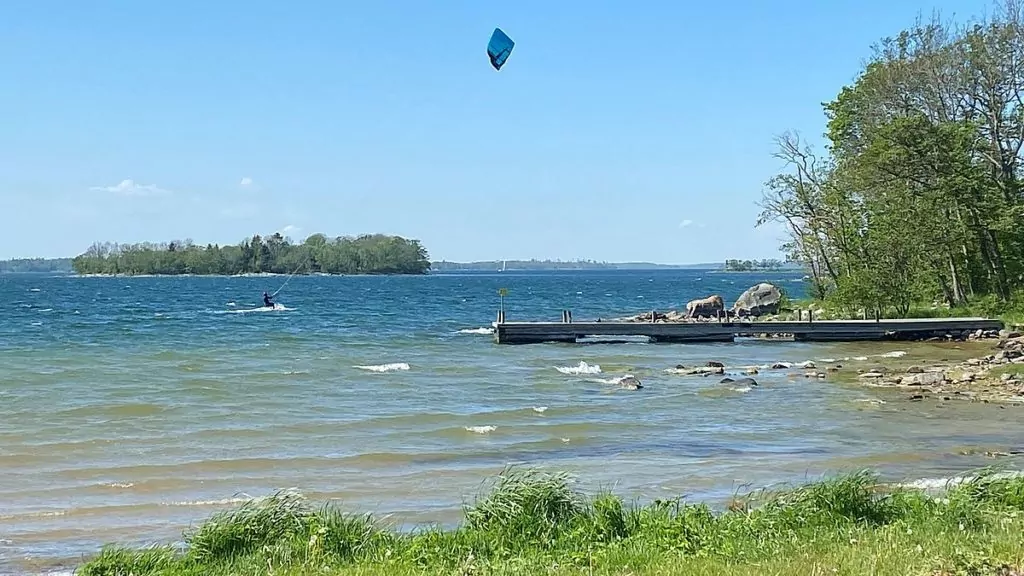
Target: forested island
(366, 254)
(35, 265)
(752, 265)
(918, 196)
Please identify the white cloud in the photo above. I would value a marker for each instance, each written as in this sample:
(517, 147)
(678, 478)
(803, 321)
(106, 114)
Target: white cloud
(685, 223)
(246, 182)
(129, 187)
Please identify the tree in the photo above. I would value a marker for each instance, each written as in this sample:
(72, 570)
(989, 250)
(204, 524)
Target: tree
(919, 195)
(371, 254)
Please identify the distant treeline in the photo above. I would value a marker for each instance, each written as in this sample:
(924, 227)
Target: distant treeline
(367, 254)
(493, 265)
(35, 265)
(444, 266)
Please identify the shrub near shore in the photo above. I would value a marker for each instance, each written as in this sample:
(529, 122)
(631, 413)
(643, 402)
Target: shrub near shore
(533, 522)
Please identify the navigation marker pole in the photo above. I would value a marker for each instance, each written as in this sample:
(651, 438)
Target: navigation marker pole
(502, 292)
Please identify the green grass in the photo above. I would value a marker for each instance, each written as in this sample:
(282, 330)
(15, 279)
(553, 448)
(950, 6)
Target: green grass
(536, 523)
(1011, 313)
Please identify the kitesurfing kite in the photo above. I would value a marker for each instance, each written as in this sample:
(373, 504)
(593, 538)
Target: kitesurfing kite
(499, 48)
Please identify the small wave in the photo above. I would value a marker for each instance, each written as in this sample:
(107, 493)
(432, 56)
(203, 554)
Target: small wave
(893, 354)
(581, 368)
(859, 358)
(276, 308)
(540, 409)
(477, 331)
(46, 310)
(49, 514)
(385, 367)
(742, 389)
(120, 485)
(232, 304)
(34, 290)
(480, 429)
(939, 483)
(37, 323)
(220, 502)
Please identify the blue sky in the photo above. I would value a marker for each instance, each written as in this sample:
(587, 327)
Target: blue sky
(616, 131)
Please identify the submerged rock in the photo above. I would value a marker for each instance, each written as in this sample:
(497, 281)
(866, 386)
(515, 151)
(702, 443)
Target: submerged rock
(630, 382)
(697, 370)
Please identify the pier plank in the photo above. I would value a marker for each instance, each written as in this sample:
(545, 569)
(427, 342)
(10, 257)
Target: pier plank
(817, 330)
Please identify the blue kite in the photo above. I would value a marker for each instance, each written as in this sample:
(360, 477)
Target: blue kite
(499, 48)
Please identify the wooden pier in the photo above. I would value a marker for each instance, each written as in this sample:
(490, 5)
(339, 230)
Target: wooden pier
(727, 331)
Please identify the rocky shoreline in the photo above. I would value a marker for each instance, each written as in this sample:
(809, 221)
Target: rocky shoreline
(994, 378)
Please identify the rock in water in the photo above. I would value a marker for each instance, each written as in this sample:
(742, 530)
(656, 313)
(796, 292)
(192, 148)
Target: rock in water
(758, 301)
(630, 383)
(924, 379)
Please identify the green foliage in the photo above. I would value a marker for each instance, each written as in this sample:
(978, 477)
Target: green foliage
(533, 522)
(752, 265)
(369, 254)
(254, 524)
(920, 195)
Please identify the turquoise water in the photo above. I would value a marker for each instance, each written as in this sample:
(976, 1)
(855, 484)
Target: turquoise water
(132, 407)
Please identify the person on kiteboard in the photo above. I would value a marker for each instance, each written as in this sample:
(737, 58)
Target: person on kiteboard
(266, 301)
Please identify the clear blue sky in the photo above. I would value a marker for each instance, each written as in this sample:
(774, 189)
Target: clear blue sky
(616, 131)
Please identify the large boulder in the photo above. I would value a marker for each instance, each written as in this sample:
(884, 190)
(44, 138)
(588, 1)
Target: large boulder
(758, 300)
(709, 306)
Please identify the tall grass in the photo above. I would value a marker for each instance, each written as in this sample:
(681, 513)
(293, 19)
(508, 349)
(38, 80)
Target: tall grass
(532, 522)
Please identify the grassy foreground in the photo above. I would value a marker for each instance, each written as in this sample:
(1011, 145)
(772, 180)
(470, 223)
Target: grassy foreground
(535, 523)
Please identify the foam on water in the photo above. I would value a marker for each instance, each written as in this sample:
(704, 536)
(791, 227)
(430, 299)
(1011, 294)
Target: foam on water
(275, 308)
(948, 482)
(477, 331)
(581, 368)
(481, 429)
(393, 367)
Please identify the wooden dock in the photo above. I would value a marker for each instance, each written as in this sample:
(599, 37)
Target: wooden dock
(727, 331)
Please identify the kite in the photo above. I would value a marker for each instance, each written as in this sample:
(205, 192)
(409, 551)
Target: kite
(499, 48)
